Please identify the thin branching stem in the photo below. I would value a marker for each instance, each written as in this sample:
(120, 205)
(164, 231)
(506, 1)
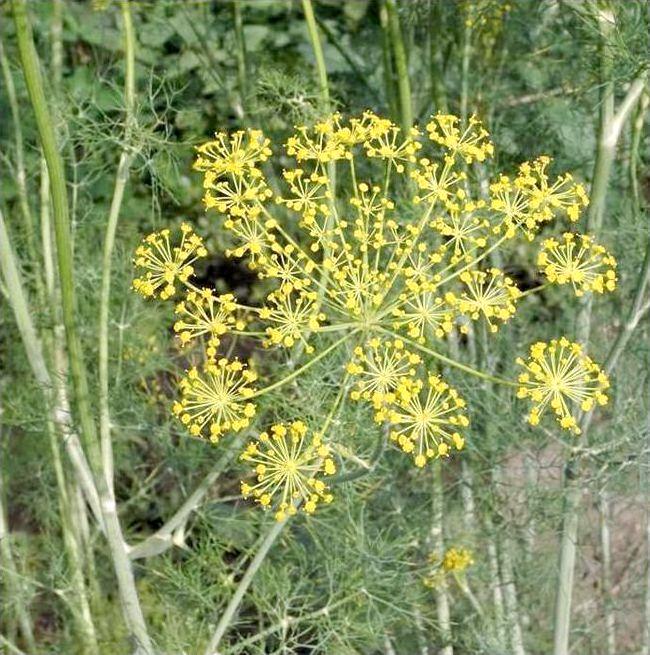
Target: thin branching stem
(121, 180)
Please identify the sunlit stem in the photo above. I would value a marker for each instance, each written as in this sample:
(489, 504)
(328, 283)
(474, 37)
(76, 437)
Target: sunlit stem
(449, 361)
(308, 365)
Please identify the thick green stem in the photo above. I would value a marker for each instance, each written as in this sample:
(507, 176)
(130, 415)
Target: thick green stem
(645, 480)
(265, 547)
(121, 180)
(604, 515)
(390, 82)
(34, 351)
(321, 69)
(436, 75)
(242, 60)
(401, 66)
(122, 565)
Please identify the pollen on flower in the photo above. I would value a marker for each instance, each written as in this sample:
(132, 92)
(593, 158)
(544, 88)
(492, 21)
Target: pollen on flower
(472, 143)
(577, 260)
(237, 154)
(455, 560)
(288, 464)
(559, 375)
(217, 399)
(164, 264)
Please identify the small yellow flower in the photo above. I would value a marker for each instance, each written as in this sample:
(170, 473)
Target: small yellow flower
(465, 229)
(236, 155)
(422, 315)
(217, 400)
(559, 375)
(291, 316)
(427, 420)
(289, 465)
(457, 560)
(578, 260)
(383, 368)
(472, 144)
(488, 294)
(202, 313)
(165, 264)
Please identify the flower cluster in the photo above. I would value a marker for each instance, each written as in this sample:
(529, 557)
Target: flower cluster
(455, 561)
(289, 464)
(559, 375)
(348, 270)
(578, 260)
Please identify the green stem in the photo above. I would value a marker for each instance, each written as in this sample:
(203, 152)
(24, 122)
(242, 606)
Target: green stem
(467, 51)
(610, 130)
(401, 66)
(82, 616)
(438, 548)
(163, 538)
(121, 180)
(243, 585)
(21, 175)
(390, 81)
(302, 369)
(34, 351)
(321, 69)
(242, 60)
(122, 566)
(449, 361)
(438, 91)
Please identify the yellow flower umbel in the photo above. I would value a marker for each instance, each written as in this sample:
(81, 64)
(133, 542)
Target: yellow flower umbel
(218, 400)
(578, 260)
(288, 466)
(202, 313)
(560, 376)
(164, 264)
(366, 277)
(427, 420)
(291, 317)
(488, 294)
(383, 368)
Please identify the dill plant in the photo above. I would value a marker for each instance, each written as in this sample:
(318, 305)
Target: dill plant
(378, 246)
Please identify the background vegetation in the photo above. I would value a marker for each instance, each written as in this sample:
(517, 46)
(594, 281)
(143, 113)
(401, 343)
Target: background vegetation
(546, 516)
